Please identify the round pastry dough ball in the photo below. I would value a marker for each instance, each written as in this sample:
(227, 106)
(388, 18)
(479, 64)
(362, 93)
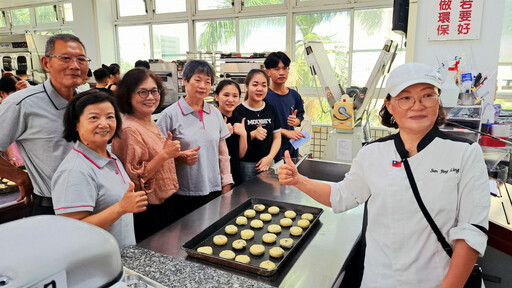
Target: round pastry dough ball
(269, 237)
(249, 213)
(307, 216)
(265, 217)
(274, 228)
(239, 244)
(286, 222)
(241, 220)
(290, 214)
(5, 180)
(257, 249)
(286, 242)
(276, 252)
(256, 223)
(268, 265)
(231, 230)
(11, 183)
(2, 186)
(247, 234)
(205, 250)
(296, 231)
(303, 223)
(259, 207)
(220, 240)
(273, 210)
(228, 254)
(243, 259)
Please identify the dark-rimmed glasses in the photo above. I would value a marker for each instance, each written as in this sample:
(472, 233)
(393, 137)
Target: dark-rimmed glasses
(143, 93)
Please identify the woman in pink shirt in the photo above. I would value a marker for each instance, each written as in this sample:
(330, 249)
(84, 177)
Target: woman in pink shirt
(147, 155)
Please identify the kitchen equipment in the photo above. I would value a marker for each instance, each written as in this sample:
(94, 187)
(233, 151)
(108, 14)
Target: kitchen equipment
(205, 238)
(59, 251)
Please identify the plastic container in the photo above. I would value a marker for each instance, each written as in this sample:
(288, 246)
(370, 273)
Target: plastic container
(449, 90)
(491, 142)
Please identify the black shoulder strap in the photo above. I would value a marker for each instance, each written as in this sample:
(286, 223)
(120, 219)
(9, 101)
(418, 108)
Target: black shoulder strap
(447, 248)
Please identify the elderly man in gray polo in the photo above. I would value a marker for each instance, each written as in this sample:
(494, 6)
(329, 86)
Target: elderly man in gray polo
(33, 118)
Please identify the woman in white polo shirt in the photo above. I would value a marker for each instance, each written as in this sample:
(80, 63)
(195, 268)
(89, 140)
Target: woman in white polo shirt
(401, 247)
(91, 184)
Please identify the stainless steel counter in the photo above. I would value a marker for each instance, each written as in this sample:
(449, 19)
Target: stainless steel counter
(316, 264)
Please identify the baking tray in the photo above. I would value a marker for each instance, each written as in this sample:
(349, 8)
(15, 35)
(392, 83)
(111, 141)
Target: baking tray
(205, 237)
(8, 188)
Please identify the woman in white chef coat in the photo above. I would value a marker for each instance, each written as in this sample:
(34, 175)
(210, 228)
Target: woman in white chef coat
(401, 248)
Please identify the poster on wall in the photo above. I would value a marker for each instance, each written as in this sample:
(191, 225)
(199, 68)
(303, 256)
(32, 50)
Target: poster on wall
(455, 20)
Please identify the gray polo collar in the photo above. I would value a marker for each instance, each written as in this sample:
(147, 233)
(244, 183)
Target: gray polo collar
(58, 101)
(186, 109)
(95, 158)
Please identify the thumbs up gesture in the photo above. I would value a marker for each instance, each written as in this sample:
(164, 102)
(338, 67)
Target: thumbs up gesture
(230, 127)
(133, 202)
(288, 174)
(260, 133)
(293, 120)
(239, 128)
(171, 149)
(189, 156)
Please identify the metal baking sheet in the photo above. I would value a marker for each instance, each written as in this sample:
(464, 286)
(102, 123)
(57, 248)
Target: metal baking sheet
(205, 237)
(7, 188)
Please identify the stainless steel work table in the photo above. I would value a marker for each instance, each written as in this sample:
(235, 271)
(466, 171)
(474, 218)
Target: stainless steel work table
(317, 263)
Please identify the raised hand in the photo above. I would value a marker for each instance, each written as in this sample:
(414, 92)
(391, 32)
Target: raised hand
(239, 128)
(288, 174)
(133, 202)
(293, 120)
(260, 133)
(171, 148)
(189, 156)
(230, 127)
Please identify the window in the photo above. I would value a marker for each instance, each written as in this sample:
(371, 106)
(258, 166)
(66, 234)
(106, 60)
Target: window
(371, 28)
(505, 61)
(20, 17)
(132, 7)
(249, 3)
(170, 41)
(46, 14)
(2, 19)
(68, 12)
(133, 45)
(214, 4)
(216, 36)
(166, 6)
(263, 34)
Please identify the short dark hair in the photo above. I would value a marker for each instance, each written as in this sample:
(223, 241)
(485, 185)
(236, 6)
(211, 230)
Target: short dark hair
(50, 43)
(249, 77)
(274, 58)
(198, 66)
(113, 69)
(7, 84)
(227, 82)
(100, 75)
(76, 108)
(89, 73)
(142, 63)
(129, 84)
(387, 120)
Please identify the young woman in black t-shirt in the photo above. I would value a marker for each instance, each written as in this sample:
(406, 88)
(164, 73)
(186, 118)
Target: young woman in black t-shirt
(262, 125)
(227, 96)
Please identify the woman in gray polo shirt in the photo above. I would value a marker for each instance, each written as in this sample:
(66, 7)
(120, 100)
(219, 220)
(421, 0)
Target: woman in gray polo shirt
(91, 184)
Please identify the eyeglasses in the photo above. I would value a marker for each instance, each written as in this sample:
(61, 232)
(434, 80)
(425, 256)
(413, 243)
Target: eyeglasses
(81, 60)
(145, 93)
(407, 102)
